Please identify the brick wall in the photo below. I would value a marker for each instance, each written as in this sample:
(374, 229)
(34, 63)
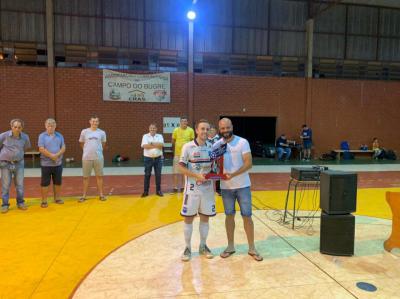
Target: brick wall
(338, 109)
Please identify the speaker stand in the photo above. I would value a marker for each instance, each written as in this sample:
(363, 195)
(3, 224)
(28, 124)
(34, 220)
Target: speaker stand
(295, 183)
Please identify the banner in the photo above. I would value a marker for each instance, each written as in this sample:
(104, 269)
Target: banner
(124, 87)
(170, 123)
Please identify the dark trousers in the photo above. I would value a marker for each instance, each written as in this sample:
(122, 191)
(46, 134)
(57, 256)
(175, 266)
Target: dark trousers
(149, 163)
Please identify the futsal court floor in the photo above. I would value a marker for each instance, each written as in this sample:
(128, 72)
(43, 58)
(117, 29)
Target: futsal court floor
(130, 247)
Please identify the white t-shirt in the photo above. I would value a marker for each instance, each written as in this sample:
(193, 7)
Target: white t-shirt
(93, 148)
(197, 158)
(233, 160)
(154, 152)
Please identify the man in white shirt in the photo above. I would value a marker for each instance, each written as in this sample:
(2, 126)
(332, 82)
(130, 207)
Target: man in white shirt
(236, 187)
(152, 144)
(92, 141)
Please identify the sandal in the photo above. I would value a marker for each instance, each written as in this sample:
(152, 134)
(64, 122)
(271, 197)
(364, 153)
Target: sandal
(44, 204)
(256, 256)
(225, 254)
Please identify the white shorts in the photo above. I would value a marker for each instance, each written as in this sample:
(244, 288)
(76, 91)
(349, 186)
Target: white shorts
(194, 204)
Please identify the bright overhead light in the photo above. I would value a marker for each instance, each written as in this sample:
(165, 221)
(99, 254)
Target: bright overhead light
(191, 15)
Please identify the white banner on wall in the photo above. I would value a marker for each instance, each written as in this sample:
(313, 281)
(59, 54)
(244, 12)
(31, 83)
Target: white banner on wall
(170, 123)
(124, 87)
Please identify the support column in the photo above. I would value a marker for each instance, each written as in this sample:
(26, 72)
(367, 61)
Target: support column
(190, 74)
(50, 58)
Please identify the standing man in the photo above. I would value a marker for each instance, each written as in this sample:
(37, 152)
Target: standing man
(181, 135)
(152, 144)
(92, 141)
(195, 162)
(212, 138)
(236, 187)
(306, 136)
(51, 146)
(13, 144)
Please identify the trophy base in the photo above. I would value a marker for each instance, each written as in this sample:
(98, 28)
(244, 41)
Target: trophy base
(215, 176)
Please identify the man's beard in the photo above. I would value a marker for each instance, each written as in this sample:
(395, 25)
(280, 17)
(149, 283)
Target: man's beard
(227, 135)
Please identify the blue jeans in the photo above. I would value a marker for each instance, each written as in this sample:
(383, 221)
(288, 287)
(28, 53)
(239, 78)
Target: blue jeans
(8, 172)
(149, 163)
(243, 197)
(283, 150)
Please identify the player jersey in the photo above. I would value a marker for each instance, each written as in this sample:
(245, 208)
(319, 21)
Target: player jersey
(197, 158)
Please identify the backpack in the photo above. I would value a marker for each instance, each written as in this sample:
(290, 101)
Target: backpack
(390, 155)
(328, 156)
(344, 145)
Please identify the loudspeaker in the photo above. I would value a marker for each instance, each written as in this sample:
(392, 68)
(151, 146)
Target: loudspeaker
(337, 234)
(338, 192)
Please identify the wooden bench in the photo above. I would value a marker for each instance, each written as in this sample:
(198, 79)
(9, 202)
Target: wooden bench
(33, 154)
(393, 199)
(167, 149)
(356, 152)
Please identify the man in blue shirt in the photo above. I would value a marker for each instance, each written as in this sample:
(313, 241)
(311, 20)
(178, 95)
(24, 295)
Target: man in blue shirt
(283, 147)
(51, 146)
(306, 136)
(13, 145)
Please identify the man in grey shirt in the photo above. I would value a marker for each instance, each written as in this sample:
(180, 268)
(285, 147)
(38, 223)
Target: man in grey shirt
(13, 145)
(92, 141)
(51, 146)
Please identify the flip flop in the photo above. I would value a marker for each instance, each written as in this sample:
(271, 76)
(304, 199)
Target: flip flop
(256, 256)
(225, 254)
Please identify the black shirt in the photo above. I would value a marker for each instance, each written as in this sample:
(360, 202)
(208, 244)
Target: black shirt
(281, 140)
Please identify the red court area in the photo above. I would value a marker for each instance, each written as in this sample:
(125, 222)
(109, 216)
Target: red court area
(126, 185)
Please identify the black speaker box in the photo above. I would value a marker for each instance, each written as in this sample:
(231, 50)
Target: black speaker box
(305, 173)
(338, 192)
(337, 234)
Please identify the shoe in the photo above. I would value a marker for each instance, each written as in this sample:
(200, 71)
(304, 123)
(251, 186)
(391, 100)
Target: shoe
(44, 204)
(59, 201)
(144, 194)
(22, 207)
(218, 192)
(204, 250)
(82, 199)
(175, 190)
(4, 209)
(159, 193)
(181, 189)
(186, 256)
(102, 198)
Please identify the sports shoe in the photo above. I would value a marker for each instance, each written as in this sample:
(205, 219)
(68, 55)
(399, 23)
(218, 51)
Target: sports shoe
(22, 207)
(204, 250)
(186, 256)
(4, 209)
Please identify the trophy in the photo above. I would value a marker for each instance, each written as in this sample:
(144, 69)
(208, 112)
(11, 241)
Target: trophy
(217, 168)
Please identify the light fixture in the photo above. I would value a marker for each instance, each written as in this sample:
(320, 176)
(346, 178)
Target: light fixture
(191, 15)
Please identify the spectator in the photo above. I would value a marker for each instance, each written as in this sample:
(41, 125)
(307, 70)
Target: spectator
(283, 147)
(152, 144)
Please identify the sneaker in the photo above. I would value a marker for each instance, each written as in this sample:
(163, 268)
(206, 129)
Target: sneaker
(44, 204)
(102, 198)
(144, 194)
(204, 250)
(22, 207)
(175, 190)
(82, 199)
(59, 201)
(186, 256)
(159, 193)
(4, 209)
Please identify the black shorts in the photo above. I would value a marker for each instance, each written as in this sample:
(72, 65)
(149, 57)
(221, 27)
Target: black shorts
(51, 172)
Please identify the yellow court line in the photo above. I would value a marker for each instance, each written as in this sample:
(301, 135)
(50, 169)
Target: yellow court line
(47, 252)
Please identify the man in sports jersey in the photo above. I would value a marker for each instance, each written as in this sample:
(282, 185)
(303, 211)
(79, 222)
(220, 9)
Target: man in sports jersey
(198, 198)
